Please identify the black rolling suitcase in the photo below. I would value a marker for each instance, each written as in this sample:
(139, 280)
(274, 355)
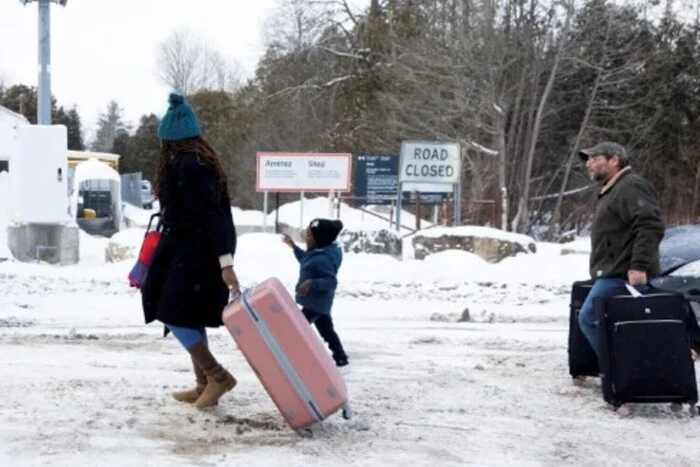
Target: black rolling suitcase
(583, 361)
(645, 347)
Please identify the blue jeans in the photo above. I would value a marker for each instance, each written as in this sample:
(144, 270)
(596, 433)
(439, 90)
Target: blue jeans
(587, 319)
(188, 337)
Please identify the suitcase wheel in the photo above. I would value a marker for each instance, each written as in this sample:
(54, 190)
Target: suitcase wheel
(693, 409)
(347, 412)
(305, 433)
(624, 411)
(677, 407)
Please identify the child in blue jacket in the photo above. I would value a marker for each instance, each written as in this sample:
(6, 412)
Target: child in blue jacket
(317, 282)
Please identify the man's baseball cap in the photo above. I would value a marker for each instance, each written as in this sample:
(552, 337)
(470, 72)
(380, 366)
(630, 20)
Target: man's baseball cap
(606, 148)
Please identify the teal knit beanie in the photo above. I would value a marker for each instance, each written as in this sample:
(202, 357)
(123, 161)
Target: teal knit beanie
(179, 122)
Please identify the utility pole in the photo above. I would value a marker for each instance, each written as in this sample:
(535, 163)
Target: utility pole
(43, 105)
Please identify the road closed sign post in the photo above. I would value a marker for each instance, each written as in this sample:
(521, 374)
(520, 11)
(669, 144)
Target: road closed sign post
(434, 163)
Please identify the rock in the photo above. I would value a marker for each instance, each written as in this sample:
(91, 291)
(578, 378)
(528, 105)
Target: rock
(574, 251)
(465, 318)
(380, 242)
(440, 318)
(490, 244)
(567, 237)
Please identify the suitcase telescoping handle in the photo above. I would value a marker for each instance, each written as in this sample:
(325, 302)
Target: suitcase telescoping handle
(633, 291)
(647, 289)
(233, 296)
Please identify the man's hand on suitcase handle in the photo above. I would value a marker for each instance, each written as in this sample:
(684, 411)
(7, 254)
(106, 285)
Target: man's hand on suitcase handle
(230, 279)
(635, 277)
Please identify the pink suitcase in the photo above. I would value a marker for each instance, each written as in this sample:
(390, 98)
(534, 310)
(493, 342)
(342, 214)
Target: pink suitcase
(289, 359)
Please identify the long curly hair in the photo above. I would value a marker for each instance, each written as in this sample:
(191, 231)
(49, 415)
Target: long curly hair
(199, 146)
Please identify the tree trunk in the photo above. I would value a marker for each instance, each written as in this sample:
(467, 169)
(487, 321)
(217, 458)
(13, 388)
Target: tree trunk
(522, 218)
(502, 196)
(696, 195)
(573, 156)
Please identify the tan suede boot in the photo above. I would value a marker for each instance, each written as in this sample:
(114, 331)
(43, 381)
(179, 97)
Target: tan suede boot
(219, 381)
(190, 395)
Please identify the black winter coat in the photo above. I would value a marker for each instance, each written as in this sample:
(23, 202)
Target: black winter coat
(184, 286)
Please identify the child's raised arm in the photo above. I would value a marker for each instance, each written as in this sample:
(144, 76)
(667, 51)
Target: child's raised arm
(298, 252)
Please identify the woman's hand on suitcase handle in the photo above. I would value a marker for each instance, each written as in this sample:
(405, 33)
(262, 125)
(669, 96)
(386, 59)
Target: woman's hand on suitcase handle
(230, 279)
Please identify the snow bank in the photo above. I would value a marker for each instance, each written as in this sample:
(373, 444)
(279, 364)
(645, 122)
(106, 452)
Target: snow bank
(124, 245)
(261, 255)
(248, 217)
(135, 216)
(354, 219)
(92, 249)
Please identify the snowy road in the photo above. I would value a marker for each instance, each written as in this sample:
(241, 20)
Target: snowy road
(84, 382)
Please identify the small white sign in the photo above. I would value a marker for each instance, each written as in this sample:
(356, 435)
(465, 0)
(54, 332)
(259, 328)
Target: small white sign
(428, 187)
(296, 172)
(429, 162)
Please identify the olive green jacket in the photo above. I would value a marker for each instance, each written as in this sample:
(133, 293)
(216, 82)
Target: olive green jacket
(627, 228)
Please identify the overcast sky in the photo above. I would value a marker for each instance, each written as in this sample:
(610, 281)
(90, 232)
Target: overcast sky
(103, 50)
(106, 49)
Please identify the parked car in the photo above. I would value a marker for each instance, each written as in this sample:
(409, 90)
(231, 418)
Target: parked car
(146, 194)
(680, 264)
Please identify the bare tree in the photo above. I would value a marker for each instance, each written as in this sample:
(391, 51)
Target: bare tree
(188, 64)
(521, 222)
(297, 25)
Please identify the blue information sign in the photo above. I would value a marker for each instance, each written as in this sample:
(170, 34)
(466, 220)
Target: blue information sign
(377, 181)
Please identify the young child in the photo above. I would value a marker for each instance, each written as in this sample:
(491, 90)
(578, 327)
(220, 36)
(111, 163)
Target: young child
(317, 282)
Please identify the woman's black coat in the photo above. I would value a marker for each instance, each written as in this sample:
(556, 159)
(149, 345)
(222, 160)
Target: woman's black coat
(183, 286)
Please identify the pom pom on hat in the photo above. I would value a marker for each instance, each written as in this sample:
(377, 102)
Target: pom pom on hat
(175, 99)
(179, 122)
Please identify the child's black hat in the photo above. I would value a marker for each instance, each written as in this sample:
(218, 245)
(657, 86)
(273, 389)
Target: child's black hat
(325, 231)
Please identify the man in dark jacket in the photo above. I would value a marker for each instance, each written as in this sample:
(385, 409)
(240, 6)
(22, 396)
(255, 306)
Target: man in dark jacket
(626, 230)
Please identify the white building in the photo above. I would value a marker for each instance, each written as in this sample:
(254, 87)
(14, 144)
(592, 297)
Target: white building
(9, 121)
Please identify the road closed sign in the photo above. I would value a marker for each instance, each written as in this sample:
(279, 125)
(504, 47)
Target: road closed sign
(429, 162)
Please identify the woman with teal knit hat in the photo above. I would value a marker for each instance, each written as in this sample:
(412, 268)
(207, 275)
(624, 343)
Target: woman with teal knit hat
(191, 275)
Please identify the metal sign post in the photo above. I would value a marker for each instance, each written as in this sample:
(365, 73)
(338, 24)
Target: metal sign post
(458, 205)
(277, 212)
(265, 212)
(301, 211)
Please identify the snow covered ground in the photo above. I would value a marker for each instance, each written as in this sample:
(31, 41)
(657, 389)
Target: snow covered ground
(85, 382)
